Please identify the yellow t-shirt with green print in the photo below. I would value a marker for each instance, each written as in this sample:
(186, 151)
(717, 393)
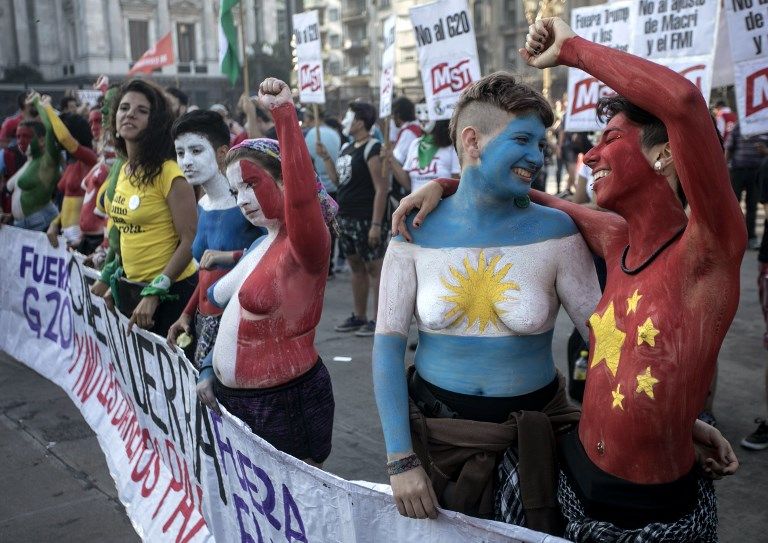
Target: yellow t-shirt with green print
(148, 238)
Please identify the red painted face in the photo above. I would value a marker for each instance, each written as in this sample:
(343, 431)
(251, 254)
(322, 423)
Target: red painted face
(269, 196)
(94, 121)
(24, 135)
(618, 164)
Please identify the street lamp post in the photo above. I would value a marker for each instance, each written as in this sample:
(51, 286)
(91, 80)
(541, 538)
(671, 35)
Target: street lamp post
(540, 9)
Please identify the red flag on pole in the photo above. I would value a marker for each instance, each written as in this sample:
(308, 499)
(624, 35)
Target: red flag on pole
(161, 54)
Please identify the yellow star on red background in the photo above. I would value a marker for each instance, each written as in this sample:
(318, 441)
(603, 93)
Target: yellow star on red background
(632, 302)
(608, 339)
(647, 333)
(618, 397)
(646, 382)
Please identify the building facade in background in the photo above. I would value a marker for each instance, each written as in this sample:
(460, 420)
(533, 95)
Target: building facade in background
(71, 42)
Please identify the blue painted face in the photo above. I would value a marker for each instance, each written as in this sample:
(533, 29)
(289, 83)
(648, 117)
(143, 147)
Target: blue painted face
(513, 159)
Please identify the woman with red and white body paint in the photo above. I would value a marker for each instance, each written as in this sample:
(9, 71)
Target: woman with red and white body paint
(265, 368)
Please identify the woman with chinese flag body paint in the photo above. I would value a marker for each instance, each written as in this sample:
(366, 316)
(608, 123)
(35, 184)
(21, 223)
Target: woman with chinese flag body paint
(264, 367)
(671, 294)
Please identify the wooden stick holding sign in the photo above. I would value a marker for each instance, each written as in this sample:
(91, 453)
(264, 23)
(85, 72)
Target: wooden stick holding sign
(316, 114)
(387, 146)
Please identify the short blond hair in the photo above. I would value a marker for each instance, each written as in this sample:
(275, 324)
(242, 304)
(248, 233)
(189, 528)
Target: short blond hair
(480, 103)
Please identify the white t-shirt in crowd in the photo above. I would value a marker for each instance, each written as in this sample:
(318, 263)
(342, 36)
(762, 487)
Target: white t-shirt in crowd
(405, 137)
(445, 163)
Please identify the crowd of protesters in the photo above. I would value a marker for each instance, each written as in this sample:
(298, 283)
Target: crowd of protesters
(206, 235)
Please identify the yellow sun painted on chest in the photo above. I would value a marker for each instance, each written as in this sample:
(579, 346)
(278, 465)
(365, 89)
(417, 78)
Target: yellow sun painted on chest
(477, 291)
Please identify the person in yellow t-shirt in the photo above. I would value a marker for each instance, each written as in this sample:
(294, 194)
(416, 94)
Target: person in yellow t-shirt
(155, 211)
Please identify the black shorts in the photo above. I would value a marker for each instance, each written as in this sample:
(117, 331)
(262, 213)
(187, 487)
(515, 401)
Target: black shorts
(353, 239)
(295, 417)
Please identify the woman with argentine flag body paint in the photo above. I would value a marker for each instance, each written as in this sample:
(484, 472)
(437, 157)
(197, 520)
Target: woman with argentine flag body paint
(485, 277)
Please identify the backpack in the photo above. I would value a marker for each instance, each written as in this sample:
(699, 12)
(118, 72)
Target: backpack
(366, 152)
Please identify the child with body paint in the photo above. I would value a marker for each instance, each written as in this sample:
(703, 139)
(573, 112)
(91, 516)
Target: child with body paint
(264, 367)
(629, 471)
(202, 141)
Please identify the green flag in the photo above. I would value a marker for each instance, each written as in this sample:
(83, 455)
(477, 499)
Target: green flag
(230, 65)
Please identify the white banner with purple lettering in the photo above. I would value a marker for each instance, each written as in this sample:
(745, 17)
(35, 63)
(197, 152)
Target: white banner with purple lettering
(184, 473)
(387, 80)
(748, 30)
(309, 57)
(448, 58)
(678, 34)
(606, 24)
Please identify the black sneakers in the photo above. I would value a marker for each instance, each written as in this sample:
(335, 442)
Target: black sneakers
(757, 440)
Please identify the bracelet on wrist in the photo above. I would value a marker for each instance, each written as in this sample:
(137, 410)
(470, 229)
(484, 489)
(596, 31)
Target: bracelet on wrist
(376, 224)
(404, 464)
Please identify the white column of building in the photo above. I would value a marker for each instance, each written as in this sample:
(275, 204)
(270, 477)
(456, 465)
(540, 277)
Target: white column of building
(8, 57)
(23, 36)
(112, 20)
(48, 39)
(210, 37)
(250, 23)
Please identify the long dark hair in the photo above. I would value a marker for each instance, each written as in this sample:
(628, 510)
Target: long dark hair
(155, 144)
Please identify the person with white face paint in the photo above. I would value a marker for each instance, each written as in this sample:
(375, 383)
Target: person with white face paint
(264, 358)
(202, 141)
(362, 199)
(429, 157)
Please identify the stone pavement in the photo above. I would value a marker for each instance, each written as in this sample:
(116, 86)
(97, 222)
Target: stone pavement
(55, 483)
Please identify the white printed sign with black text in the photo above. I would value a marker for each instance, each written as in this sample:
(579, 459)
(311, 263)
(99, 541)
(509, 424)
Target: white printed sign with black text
(447, 53)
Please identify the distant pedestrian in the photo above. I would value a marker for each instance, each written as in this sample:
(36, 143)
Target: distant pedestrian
(362, 195)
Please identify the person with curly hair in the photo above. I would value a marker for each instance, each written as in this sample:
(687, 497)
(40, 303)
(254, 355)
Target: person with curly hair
(155, 211)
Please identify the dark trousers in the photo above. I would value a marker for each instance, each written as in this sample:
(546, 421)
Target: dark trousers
(745, 180)
(167, 312)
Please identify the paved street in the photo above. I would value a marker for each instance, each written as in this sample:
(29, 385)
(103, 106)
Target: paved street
(56, 485)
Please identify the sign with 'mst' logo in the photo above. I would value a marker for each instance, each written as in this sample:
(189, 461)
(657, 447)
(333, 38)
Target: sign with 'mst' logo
(306, 35)
(448, 56)
(749, 52)
(606, 24)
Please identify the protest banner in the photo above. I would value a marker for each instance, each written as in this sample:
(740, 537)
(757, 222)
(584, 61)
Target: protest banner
(448, 58)
(184, 473)
(387, 80)
(748, 30)
(309, 56)
(606, 24)
(678, 34)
